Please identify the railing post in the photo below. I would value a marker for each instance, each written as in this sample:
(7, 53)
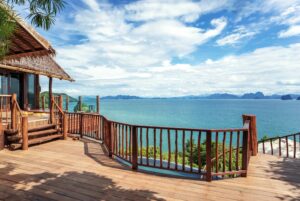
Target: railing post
(134, 148)
(43, 103)
(98, 104)
(51, 111)
(245, 154)
(67, 103)
(60, 104)
(65, 126)
(109, 138)
(80, 103)
(25, 133)
(14, 111)
(208, 156)
(2, 137)
(81, 125)
(253, 133)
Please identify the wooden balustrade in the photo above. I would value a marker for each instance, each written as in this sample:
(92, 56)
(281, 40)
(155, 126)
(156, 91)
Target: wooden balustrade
(5, 108)
(57, 115)
(211, 153)
(85, 124)
(284, 146)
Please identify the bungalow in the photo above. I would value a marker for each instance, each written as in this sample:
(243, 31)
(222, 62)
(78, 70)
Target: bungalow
(29, 57)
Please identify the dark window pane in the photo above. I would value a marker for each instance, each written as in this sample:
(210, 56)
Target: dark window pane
(30, 93)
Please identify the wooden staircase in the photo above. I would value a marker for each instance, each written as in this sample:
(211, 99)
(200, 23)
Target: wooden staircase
(36, 135)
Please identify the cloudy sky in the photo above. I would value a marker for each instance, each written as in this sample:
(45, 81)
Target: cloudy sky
(178, 47)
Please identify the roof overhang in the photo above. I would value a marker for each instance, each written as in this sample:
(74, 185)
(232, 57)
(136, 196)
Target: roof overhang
(30, 52)
(41, 65)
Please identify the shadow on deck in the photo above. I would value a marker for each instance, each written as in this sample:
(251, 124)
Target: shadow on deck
(67, 186)
(75, 170)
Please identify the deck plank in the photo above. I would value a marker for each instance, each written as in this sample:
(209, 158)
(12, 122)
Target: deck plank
(75, 170)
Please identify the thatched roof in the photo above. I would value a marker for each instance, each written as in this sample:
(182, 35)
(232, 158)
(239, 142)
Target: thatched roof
(30, 52)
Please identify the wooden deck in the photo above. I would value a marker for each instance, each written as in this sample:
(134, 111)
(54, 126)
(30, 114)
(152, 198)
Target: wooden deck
(75, 170)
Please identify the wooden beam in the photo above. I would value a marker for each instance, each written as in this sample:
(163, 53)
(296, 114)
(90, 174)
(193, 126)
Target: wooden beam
(50, 99)
(25, 133)
(23, 40)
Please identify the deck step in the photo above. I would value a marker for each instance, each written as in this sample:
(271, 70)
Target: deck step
(15, 146)
(44, 139)
(42, 133)
(40, 128)
(14, 138)
(11, 132)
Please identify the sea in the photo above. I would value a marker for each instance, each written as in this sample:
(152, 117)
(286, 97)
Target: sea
(274, 117)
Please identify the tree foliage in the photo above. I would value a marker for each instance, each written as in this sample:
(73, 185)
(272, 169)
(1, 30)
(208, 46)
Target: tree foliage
(41, 14)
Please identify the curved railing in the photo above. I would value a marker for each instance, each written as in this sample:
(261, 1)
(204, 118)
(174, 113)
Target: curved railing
(211, 153)
(283, 146)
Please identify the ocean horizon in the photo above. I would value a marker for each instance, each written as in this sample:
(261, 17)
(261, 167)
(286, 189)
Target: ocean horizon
(274, 117)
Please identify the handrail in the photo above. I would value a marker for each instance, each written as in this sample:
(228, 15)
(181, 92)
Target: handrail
(177, 128)
(57, 106)
(62, 117)
(290, 145)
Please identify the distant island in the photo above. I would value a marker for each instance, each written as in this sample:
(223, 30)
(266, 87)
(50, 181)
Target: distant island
(286, 97)
(46, 95)
(256, 95)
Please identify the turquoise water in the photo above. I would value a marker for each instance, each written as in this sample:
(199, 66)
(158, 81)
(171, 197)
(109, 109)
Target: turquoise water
(274, 117)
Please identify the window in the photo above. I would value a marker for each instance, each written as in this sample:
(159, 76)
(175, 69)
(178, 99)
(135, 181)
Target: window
(15, 85)
(3, 84)
(30, 92)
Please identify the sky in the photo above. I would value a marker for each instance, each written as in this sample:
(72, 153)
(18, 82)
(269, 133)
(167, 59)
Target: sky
(172, 48)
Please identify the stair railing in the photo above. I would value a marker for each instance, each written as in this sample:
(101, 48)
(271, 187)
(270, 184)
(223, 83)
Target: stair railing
(58, 117)
(19, 121)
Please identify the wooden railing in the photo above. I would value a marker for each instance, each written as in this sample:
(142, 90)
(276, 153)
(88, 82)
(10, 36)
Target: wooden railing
(181, 149)
(283, 146)
(85, 124)
(5, 108)
(211, 153)
(58, 117)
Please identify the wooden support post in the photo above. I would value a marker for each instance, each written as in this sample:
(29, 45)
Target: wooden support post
(60, 104)
(253, 133)
(25, 132)
(98, 104)
(50, 103)
(43, 103)
(208, 156)
(2, 137)
(80, 103)
(110, 137)
(65, 126)
(134, 148)
(67, 103)
(81, 125)
(245, 154)
(14, 111)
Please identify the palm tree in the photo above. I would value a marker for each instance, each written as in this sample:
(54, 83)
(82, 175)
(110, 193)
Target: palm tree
(41, 13)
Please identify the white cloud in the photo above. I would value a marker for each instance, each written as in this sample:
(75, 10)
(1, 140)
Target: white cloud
(270, 69)
(236, 36)
(111, 40)
(281, 12)
(185, 10)
(291, 31)
(117, 56)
